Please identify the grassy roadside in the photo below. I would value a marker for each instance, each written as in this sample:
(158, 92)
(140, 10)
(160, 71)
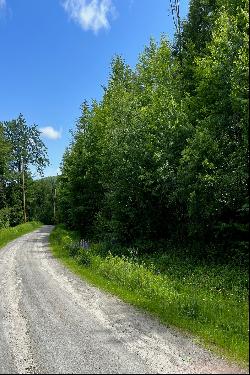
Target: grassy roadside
(9, 234)
(209, 302)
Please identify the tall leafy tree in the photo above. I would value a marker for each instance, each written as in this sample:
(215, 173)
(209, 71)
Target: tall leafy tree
(214, 168)
(27, 149)
(4, 159)
(164, 154)
(42, 200)
(80, 191)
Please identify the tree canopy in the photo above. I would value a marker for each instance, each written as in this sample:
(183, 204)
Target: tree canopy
(20, 148)
(164, 154)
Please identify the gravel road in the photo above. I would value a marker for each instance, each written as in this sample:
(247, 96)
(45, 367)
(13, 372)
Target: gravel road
(53, 322)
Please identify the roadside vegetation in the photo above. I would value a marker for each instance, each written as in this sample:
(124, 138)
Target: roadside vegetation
(210, 301)
(164, 154)
(11, 233)
(156, 178)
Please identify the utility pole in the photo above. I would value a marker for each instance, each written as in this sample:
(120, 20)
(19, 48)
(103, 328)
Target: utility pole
(23, 188)
(175, 10)
(54, 203)
(55, 206)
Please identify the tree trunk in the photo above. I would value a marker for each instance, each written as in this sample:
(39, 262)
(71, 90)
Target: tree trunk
(24, 197)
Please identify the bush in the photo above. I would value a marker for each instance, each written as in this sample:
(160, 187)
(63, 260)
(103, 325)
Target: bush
(10, 233)
(73, 248)
(84, 257)
(210, 300)
(5, 214)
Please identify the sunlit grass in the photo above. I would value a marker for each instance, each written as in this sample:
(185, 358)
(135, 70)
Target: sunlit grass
(208, 301)
(9, 234)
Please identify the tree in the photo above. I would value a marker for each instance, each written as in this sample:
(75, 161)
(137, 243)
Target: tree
(4, 157)
(42, 200)
(214, 167)
(79, 189)
(190, 42)
(27, 149)
(164, 154)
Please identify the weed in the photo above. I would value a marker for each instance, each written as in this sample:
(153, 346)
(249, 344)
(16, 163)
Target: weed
(210, 301)
(10, 233)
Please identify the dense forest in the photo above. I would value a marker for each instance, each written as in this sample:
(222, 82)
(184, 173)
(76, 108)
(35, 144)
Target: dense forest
(163, 156)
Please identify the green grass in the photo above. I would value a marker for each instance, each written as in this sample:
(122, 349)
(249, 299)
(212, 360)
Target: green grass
(9, 234)
(210, 302)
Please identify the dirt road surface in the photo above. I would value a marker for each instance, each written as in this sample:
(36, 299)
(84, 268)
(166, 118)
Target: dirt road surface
(53, 322)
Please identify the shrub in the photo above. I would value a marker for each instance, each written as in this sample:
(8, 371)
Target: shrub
(5, 214)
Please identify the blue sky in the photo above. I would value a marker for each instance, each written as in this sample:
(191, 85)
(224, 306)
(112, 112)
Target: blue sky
(56, 53)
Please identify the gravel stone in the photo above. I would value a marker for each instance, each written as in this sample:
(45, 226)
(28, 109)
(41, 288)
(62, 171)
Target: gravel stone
(52, 322)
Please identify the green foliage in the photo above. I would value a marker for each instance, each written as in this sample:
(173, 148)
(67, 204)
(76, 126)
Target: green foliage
(42, 197)
(210, 301)
(5, 214)
(214, 168)
(9, 234)
(26, 145)
(20, 148)
(164, 154)
(79, 189)
(4, 158)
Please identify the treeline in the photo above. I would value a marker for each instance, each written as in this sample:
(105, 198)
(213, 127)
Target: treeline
(164, 154)
(21, 197)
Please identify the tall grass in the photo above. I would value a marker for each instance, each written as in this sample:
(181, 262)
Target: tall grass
(9, 234)
(208, 301)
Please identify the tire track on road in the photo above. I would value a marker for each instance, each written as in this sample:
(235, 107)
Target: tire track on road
(53, 322)
(14, 322)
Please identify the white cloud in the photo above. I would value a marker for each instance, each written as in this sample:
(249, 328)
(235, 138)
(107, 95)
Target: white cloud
(2, 3)
(50, 132)
(90, 14)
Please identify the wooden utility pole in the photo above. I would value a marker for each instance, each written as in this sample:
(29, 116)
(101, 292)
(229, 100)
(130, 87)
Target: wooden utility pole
(54, 205)
(175, 10)
(23, 187)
